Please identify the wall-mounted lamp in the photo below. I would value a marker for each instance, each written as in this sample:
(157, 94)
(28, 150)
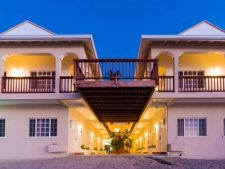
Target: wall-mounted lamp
(215, 71)
(17, 72)
(156, 128)
(117, 130)
(80, 128)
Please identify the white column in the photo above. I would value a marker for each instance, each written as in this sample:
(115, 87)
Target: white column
(1, 69)
(58, 71)
(175, 71)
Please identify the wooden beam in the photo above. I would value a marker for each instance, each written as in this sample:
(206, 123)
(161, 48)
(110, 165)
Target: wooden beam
(110, 84)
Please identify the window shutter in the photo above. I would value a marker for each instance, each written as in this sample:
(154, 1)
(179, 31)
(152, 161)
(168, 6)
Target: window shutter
(202, 127)
(180, 127)
(2, 127)
(32, 128)
(53, 127)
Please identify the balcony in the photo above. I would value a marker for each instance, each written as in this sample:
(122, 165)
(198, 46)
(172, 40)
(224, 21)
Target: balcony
(202, 84)
(67, 84)
(37, 84)
(117, 90)
(38, 73)
(28, 84)
(192, 84)
(166, 84)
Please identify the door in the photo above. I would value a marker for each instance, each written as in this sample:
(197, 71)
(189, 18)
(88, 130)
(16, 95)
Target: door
(160, 137)
(76, 138)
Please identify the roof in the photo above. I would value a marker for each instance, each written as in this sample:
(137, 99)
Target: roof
(28, 31)
(203, 28)
(27, 28)
(201, 32)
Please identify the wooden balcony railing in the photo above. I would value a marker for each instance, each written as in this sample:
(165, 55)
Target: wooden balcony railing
(166, 84)
(202, 84)
(67, 84)
(28, 84)
(121, 69)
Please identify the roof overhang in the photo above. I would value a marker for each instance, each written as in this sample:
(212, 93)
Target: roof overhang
(87, 40)
(147, 40)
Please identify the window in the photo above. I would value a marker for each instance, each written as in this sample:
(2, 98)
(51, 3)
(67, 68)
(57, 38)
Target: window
(2, 127)
(42, 83)
(43, 127)
(191, 127)
(192, 81)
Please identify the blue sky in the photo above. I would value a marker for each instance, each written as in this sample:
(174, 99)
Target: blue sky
(116, 25)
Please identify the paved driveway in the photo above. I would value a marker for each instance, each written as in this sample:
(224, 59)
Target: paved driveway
(114, 162)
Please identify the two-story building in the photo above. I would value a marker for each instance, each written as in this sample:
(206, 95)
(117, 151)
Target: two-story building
(44, 113)
(187, 109)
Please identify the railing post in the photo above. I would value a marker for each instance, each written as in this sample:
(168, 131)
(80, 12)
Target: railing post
(75, 72)
(175, 73)
(57, 74)
(1, 71)
(154, 73)
(157, 72)
(2, 84)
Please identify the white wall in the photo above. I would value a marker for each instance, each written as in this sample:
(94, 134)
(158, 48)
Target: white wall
(209, 147)
(82, 132)
(18, 145)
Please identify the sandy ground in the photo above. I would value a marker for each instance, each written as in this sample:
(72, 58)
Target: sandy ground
(113, 162)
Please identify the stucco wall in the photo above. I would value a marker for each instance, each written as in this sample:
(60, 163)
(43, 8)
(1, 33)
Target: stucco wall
(152, 131)
(18, 145)
(82, 132)
(158, 134)
(27, 63)
(210, 146)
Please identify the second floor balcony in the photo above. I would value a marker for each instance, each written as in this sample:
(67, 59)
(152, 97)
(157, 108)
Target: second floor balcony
(37, 73)
(196, 72)
(195, 83)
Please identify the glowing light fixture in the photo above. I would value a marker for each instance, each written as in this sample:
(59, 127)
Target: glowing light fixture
(156, 128)
(79, 128)
(146, 134)
(215, 71)
(156, 89)
(17, 72)
(117, 130)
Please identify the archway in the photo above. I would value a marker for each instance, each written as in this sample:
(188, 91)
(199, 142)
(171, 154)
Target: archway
(68, 64)
(29, 73)
(201, 71)
(166, 73)
(67, 73)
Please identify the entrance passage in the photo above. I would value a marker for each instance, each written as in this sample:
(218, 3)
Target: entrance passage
(117, 90)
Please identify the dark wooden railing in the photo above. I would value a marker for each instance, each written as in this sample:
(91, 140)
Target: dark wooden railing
(108, 69)
(67, 84)
(202, 84)
(166, 84)
(28, 84)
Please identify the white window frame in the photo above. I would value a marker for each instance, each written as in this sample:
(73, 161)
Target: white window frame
(35, 118)
(48, 84)
(5, 129)
(192, 136)
(191, 83)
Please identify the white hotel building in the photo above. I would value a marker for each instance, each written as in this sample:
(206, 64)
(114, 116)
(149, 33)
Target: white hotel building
(56, 95)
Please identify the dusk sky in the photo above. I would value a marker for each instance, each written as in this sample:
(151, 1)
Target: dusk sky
(116, 25)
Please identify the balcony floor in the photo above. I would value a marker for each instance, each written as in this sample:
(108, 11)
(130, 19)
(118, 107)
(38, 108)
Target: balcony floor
(117, 102)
